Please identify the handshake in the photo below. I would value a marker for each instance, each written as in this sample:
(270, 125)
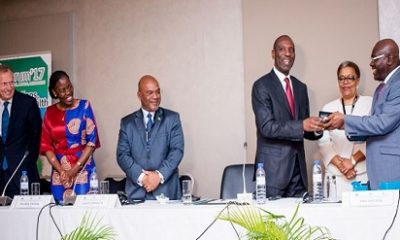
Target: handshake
(325, 121)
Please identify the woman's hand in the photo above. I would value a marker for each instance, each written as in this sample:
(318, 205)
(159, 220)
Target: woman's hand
(65, 180)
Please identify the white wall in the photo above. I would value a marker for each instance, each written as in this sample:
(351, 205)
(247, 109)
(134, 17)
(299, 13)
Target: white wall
(325, 34)
(389, 24)
(206, 55)
(194, 48)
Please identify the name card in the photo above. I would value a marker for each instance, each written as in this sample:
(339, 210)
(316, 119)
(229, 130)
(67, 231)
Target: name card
(370, 198)
(31, 201)
(97, 201)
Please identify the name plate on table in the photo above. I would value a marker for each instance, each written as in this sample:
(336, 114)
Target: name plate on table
(31, 201)
(370, 198)
(97, 200)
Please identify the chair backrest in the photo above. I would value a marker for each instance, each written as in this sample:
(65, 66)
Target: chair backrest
(116, 185)
(232, 180)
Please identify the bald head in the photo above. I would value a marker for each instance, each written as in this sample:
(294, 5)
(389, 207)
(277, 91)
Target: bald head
(149, 93)
(388, 46)
(385, 58)
(146, 78)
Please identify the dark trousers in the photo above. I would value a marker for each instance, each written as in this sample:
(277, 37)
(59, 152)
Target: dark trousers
(295, 188)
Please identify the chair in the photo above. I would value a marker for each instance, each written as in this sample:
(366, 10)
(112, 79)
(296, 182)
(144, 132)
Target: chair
(116, 185)
(232, 180)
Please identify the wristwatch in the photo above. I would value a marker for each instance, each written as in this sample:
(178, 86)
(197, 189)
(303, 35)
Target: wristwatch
(353, 161)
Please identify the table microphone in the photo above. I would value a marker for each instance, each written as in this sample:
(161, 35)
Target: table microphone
(6, 200)
(244, 197)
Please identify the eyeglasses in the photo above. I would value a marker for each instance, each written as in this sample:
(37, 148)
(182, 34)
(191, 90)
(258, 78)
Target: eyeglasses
(373, 59)
(348, 78)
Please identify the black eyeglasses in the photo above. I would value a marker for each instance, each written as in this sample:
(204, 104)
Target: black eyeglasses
(348, 78)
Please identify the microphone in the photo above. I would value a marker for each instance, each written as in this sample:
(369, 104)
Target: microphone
(244, 197)
(6, 200)
(244, 168)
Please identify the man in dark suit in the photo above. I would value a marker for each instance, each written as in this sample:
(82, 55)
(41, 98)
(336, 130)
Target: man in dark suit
(281, 107)
(150, 146)
(20, 132)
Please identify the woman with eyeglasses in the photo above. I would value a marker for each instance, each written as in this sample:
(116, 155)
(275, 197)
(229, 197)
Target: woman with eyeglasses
(69, 138)
(345, 160)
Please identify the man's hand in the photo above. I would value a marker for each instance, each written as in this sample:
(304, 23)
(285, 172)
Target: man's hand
(335, 121)
(313, 124)
(151, 180)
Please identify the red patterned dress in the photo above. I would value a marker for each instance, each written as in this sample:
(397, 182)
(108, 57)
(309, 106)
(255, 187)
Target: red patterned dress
(66, 133)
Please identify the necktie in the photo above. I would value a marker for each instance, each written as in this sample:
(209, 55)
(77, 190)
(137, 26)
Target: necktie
(149, 122)
(379, 90)
(289, 96)
(5, 120)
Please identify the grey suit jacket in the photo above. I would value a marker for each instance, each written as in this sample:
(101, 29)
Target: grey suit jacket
(279, 137)
(382, 131)
(163, 152)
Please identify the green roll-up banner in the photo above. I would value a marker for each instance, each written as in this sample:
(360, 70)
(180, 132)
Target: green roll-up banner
(31, 75)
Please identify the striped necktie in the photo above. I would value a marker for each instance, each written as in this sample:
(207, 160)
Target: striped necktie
(290, 98)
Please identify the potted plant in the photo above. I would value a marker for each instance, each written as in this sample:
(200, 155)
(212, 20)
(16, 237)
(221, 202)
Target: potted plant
(264, 225)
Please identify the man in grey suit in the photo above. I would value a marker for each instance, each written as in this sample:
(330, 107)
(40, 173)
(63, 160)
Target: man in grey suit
(281, 107)
(381, 130)
(150, 146)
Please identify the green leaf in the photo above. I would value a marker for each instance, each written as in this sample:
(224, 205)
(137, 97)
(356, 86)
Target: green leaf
(90, 229)
(261, 224)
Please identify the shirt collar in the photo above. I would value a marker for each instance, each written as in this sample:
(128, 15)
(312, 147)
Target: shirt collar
(9, 100)
(280, 75)
(390, 74)
(147, 112)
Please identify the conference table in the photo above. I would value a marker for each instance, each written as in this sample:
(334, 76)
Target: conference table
(152, 220)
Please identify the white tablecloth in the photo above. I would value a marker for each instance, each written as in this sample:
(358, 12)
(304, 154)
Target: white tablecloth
(176, 221)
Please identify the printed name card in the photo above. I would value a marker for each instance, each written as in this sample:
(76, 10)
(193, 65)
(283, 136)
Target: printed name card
(97, 201)
(370, 198)
(31, 201)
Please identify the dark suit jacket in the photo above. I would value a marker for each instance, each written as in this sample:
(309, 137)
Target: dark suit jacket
(279, 137)
(164, 152)
(23, 135)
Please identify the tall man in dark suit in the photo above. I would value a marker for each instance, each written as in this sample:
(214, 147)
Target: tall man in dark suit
(150, 146)
(20, 132)
(281, 107)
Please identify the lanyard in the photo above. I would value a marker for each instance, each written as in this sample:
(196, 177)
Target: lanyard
(352, 105)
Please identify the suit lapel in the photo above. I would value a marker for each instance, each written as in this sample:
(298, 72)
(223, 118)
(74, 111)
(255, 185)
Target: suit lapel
(374, 100)
(158, 117)
(139, 124)
(282, 94)
(296, 95)
(384, 91)
(13, 115)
